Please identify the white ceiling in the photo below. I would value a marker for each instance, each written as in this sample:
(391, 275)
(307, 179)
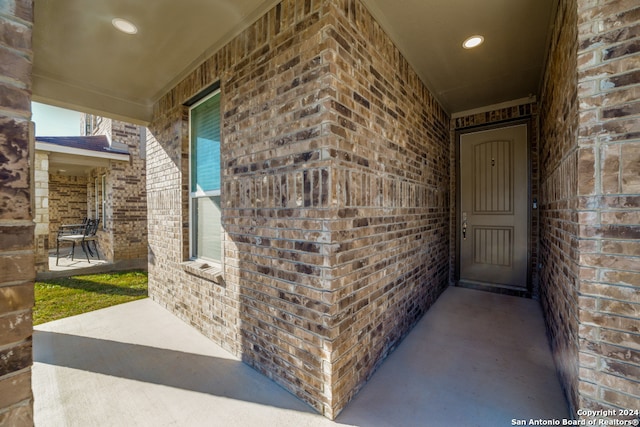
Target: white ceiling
(81, 62)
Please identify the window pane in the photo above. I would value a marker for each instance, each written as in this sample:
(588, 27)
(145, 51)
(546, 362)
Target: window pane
(208, 231)
(205, 145)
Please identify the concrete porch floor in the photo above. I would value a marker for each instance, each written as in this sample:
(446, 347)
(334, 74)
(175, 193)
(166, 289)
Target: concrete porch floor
(68, 267)
(79, 265)
(475, 359)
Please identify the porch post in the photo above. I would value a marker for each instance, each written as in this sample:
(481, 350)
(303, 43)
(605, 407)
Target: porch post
(608, 206)
(17, 268)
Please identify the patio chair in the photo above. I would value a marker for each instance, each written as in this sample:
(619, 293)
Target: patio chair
(79, 233)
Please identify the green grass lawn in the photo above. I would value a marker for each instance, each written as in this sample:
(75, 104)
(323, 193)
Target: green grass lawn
(58, 298)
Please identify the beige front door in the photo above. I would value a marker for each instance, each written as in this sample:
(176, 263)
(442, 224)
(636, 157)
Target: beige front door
(493, 207)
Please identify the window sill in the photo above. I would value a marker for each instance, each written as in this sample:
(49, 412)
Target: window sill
(206, 270)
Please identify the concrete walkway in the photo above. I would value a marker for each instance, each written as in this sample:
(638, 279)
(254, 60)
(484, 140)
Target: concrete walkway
(475, 359)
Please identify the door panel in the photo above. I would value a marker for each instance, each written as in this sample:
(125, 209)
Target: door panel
(493, 186)
(493, 205)
(493, 246)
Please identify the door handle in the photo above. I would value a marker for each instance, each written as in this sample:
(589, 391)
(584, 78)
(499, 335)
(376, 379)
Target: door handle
(464, 226)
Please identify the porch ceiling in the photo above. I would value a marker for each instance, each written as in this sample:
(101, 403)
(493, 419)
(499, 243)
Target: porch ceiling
(82, 62)
(68, 165)
(76, 162)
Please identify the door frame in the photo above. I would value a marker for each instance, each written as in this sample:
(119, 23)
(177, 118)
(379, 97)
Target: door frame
(502, 289)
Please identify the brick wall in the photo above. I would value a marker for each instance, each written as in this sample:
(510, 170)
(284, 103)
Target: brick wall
(67, 202)
(390, 184)
(608, 203)
(122, 236)
(129, 196)
(590, 210)
(335, 200)
(91, 124)
(501, 116)
(277, 196)
(126, 196)
(273, 301)
(558, 221)
(17, 270)
(102, 126)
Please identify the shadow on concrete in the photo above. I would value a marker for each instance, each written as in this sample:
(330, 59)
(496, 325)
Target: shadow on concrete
(475, 359)
(194, 372)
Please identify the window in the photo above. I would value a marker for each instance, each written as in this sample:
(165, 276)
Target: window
(204, 200)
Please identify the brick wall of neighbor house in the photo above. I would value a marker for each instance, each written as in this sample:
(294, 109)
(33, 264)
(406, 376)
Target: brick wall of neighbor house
(17, 270)
(124, 236)
(558, 192)
(526, 111)
(608, 203)
(128, 196)
(67, 202)
(335, 200)
(41, 205)
(102, 126)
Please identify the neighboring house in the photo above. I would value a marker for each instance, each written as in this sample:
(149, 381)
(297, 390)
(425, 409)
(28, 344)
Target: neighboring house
(302, 186)
(100, 175)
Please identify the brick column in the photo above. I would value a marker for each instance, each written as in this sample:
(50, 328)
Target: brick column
(608, 209)
(17, 270)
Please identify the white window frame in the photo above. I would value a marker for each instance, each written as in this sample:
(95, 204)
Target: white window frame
(96, 193)
(104, 201)
(199, 193)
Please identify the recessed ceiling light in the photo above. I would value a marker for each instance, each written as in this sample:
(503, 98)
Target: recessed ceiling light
(472, 42)
(124, 26)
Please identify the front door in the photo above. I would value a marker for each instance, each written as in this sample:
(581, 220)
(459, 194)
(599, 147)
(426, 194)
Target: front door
(494, 192)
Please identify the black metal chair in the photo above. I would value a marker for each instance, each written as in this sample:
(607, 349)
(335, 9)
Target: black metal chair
(79, 233)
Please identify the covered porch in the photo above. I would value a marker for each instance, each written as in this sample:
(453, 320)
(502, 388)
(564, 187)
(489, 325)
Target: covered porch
(64, 171)
(340, 122)
(65, 266)
(475, 359)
